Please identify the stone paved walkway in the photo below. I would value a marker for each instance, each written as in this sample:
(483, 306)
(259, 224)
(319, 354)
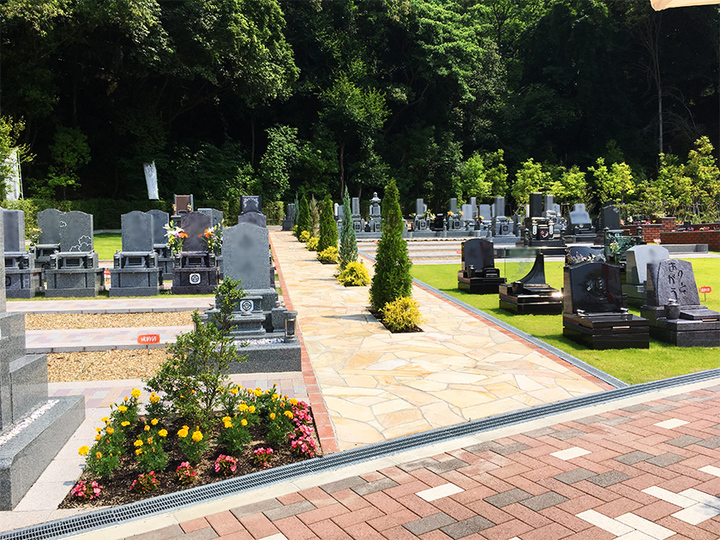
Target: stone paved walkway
(378, 385)
(644, 468)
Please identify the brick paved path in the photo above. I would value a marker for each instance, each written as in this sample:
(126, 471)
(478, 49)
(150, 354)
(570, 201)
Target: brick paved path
(648, 470)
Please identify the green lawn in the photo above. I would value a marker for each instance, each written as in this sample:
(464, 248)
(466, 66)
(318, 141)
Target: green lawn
(630, 365)
(107, 244)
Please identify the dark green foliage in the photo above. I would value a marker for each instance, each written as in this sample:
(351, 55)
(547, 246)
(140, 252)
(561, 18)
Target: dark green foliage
(348, 242)
(303, 216)
(328, 227)
(392, 278)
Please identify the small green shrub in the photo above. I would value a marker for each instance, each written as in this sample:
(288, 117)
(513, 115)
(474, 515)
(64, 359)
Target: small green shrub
(355, 275)
(312, 244)
(402, 314)
(304, 237)
(328, 255)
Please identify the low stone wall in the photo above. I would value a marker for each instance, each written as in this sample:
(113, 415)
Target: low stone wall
(653, 231)
(711, 238)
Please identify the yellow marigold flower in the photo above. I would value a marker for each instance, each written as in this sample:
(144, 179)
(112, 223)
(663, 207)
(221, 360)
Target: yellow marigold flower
(192, 392)
(258, 393)
(150, 440)
(135, 393)
(197, 436)
(98, 429)
(293, 401)
(110, 430)
(163, 432)
(98, 437)
(282, 404)
(288, 414)
(125, 398)
(234, 391)
(252, 409)
(122, 408)
(146, 428)
(226, 419)
(154, 421)
(272, 416)
(275, 397)
(83, 450)
(125, 423)
(138, 443)
(227, 425)
(183, 433)
(242, 407)
(138, 452)
(98, 455)
(104, 419)
(243, 422)
(154, 398)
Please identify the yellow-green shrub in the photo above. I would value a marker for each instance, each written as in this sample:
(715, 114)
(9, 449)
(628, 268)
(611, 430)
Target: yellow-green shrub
(402, 314)
(328, 255)
(312, 244)
(355, 275)
(304, 237)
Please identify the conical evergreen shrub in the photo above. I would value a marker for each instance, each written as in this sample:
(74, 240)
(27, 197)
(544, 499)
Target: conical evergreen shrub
(392, 278)
(348, 241)
(303, 217)
(314, 217)
(328, 227)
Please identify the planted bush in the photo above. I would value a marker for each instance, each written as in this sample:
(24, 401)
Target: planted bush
(354, 275)
(348, 241)
(303, 218)
(401, 315)
(312, 244)
(328, 236)
(304, 237)
(328, 255)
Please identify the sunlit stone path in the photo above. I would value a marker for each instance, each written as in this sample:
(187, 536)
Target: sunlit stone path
(378, 385)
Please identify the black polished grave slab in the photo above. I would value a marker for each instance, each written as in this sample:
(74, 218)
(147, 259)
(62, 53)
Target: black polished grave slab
(674, 310)
(594, 314)
(478, 274)
(531, 294)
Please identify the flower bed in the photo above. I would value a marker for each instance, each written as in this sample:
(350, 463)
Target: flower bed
(138, 456)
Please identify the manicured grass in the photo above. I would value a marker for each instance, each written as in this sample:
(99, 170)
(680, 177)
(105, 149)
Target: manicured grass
(107, 244)
(630, 365)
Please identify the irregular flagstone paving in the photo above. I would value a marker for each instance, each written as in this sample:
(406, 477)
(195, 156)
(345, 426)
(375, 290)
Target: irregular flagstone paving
(377, 385)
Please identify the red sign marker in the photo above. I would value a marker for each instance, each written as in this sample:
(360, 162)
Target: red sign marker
(705, 290)
(147, 339)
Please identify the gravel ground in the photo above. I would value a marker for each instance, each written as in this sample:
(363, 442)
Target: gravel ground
(71, 321)
(104, 365)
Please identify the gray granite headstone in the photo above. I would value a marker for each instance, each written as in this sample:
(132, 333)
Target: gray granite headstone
(499, 206)
(250, 203)
(49, 225)
(485, 212)
(671, 279)
(579, 207)
(247, 256)
(14, 225)
(291, 212)
(216, 216)
(3, 306)
(548, 203)
(254, 218)
(160, 219)
(420, 207)
(76, 232)
(194, 224)
(638, 257)
(340, 212)
(355, 203)
(453, 205)
(137, 231)
(467, 212)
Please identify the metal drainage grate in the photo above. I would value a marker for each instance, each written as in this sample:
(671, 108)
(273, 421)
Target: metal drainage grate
(233, 486)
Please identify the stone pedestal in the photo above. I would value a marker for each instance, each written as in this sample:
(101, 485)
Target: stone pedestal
(74, 274)
(195, 272)
(135, 274)
(530, 294)
(22, 279)
(165, 261)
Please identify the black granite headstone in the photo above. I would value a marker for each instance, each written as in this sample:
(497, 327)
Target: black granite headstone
(14, 224)
(610, 218)
(593, 287)
(160, 219)
(194, 224)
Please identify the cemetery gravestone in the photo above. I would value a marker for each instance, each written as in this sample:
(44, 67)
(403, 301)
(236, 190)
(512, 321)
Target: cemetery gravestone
(195, 270)
(503, 229)
(73, 270)
(165, 259)
(216, 216)
(580, 225)
(531, 294)
(478, 274)
(22, 278)
(49, 241)
(638, 257)
(289, 220)
(610, 218)
(358, 222)
(135, 270)
(673, 306)
(250, 206)
(594, 314)
(33, 429)
(374, 224)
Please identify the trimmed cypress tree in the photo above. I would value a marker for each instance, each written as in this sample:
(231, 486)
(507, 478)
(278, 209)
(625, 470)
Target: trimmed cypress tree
(392, 278)
(314, 217)
(303, 216)
(348, 241)
(328, 227)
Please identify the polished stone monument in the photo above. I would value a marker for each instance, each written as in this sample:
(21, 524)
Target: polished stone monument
(22, 278)
(195, 270)
(135, 269)
(165, 259)
(478, 274)
(530, 294)
(638, 257)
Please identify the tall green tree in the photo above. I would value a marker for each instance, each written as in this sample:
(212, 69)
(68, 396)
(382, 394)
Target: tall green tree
(348, 241)
(392, 277)
(303, 216)
(328, 236)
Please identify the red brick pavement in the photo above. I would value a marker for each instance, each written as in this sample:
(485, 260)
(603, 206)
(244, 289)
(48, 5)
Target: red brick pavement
(647, 471)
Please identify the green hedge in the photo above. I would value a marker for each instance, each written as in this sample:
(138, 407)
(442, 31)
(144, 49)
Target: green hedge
(106, 212)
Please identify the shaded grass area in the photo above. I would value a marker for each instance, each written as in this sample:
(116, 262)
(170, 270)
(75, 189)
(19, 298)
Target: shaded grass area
(630, 365)
(106, 244)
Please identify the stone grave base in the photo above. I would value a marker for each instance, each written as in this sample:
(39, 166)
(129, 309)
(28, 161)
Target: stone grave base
(166, 265)
(27, 454)
(74, 282)
(25, 283)
(509, 240)
(607, 330)
(195, 280)
(479, 285)
(135, 281)
(580, 238)
(269, 357)
(636, 295)
(535, 243)
(683, 332)
(544, 302)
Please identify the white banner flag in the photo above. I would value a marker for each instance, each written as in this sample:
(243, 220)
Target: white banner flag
(151, 180)
(13, 180)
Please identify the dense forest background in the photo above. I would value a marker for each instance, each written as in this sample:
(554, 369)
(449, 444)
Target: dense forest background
(591, 99)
